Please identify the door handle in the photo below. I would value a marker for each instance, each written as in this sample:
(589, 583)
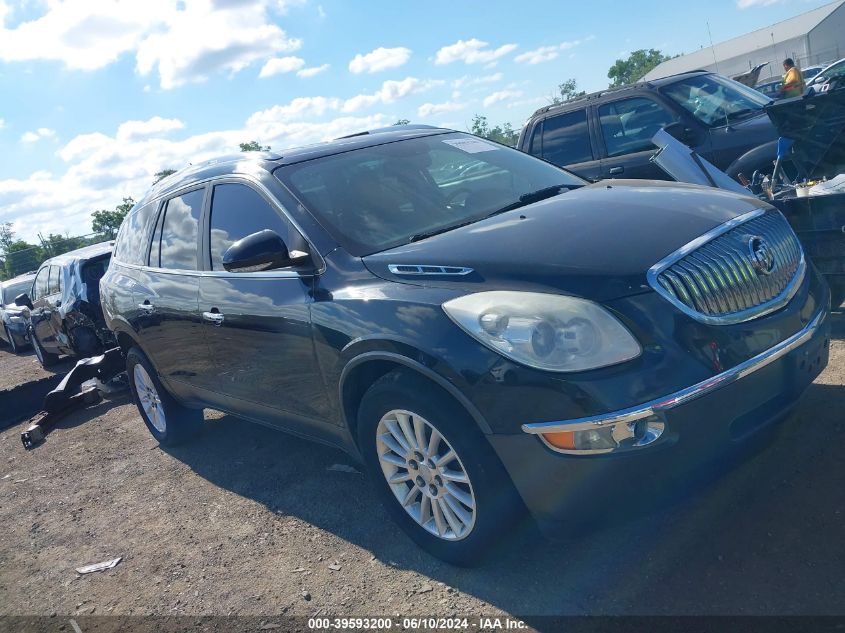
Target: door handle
(213, 317)
(147, 307)
(615, 171)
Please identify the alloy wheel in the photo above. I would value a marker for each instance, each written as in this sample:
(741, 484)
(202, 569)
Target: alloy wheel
(149, 399)
(426, 475)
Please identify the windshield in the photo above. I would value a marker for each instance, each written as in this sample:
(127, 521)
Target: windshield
(12, 290)
(834, 70)
(715, 100)
(375, 198)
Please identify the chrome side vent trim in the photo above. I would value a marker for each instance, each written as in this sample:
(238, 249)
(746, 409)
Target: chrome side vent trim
(425, 269)
(741, 270)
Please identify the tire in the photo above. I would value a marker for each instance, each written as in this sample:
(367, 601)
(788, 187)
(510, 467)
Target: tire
(837, 296)
(489, 504)
(47, 359)
(168, 421)
(12, 344)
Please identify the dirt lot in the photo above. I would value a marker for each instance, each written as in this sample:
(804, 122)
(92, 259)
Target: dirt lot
(250, 521)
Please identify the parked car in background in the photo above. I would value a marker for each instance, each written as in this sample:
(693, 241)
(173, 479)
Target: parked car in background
(66, 317)
(836, 71)
(14, 319)
(608, 134)
(810, 72)
(511, 337)
(770, 88)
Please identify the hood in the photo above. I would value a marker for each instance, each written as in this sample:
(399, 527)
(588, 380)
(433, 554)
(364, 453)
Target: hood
(596, 242)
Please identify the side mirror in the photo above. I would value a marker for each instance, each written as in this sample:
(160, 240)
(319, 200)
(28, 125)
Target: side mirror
(23, 301)
(264, 250)
(681, 132)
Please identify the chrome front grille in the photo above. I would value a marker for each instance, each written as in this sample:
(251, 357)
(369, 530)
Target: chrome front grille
(741, 270)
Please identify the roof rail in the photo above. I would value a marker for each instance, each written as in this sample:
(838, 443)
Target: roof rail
(391, 128)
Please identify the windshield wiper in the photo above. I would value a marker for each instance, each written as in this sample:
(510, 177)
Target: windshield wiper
(743, 113)
(524, 199)
(531, 197)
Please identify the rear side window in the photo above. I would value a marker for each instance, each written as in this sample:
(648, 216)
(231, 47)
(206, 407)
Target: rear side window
(178, 234)
(566, 139)
(238, 211)
(42, 283)
(131, 244)
(628, 125)
(55, 281)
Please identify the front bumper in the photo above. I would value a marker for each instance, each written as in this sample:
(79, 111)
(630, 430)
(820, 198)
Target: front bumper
(702, 423)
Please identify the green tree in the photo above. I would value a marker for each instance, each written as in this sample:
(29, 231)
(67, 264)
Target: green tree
(161, 175)
(108, 222)
(631, 70)
(254, 146)
(402, 122)
(504, 133)
(566, 91)
(22, 257)
(7, 236)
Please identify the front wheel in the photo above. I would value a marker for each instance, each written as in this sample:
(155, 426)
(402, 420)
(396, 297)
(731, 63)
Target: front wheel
(47, 359)
(168, 421)
(434, 470)
(12, 344)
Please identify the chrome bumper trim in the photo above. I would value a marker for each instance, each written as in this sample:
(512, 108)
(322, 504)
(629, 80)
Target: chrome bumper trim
(690, 393)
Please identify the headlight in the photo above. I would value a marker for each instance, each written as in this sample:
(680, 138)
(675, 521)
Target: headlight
(550, 332)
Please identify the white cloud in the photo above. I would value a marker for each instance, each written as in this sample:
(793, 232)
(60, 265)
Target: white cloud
(203, 39)
(103, 168)
(185, 41)
(37, 135)
(473, 51)
(548, 53)
(156, 126)
(432, 109)
(279, 65)
(2, 123)
(468, 80)
(83, 34)
(301, 106)
(314, 70)
(380, 59)
(501, 95)
(389, 92)
(748, 4)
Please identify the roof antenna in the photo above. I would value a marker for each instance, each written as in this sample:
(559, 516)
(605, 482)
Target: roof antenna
(716, 62)
(713, 48)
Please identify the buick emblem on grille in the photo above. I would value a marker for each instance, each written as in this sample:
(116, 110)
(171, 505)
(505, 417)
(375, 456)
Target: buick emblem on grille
(762, 257)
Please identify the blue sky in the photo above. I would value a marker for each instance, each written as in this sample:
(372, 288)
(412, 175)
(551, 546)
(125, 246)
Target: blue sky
(97, 95)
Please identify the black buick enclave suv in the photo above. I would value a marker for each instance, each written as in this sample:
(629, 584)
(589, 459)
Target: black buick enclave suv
(485, 331)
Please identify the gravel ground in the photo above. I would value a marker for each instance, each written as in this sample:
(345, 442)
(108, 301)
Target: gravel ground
(251, 521)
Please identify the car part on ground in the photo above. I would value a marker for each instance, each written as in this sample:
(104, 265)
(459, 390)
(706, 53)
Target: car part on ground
(367, 293)
(74, 391)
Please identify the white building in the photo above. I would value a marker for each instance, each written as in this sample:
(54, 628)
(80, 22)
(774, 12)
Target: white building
(814, 37)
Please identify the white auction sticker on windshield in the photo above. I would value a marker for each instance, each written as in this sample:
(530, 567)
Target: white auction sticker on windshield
(471, 145)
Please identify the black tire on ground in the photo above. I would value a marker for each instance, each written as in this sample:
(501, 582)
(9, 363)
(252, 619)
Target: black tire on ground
(173, 423)
(837, 295)
(12, 344)
(47, 359)
(498, 506)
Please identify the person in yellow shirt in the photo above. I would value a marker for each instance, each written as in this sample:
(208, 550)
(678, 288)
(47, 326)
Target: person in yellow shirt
(793, 81)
